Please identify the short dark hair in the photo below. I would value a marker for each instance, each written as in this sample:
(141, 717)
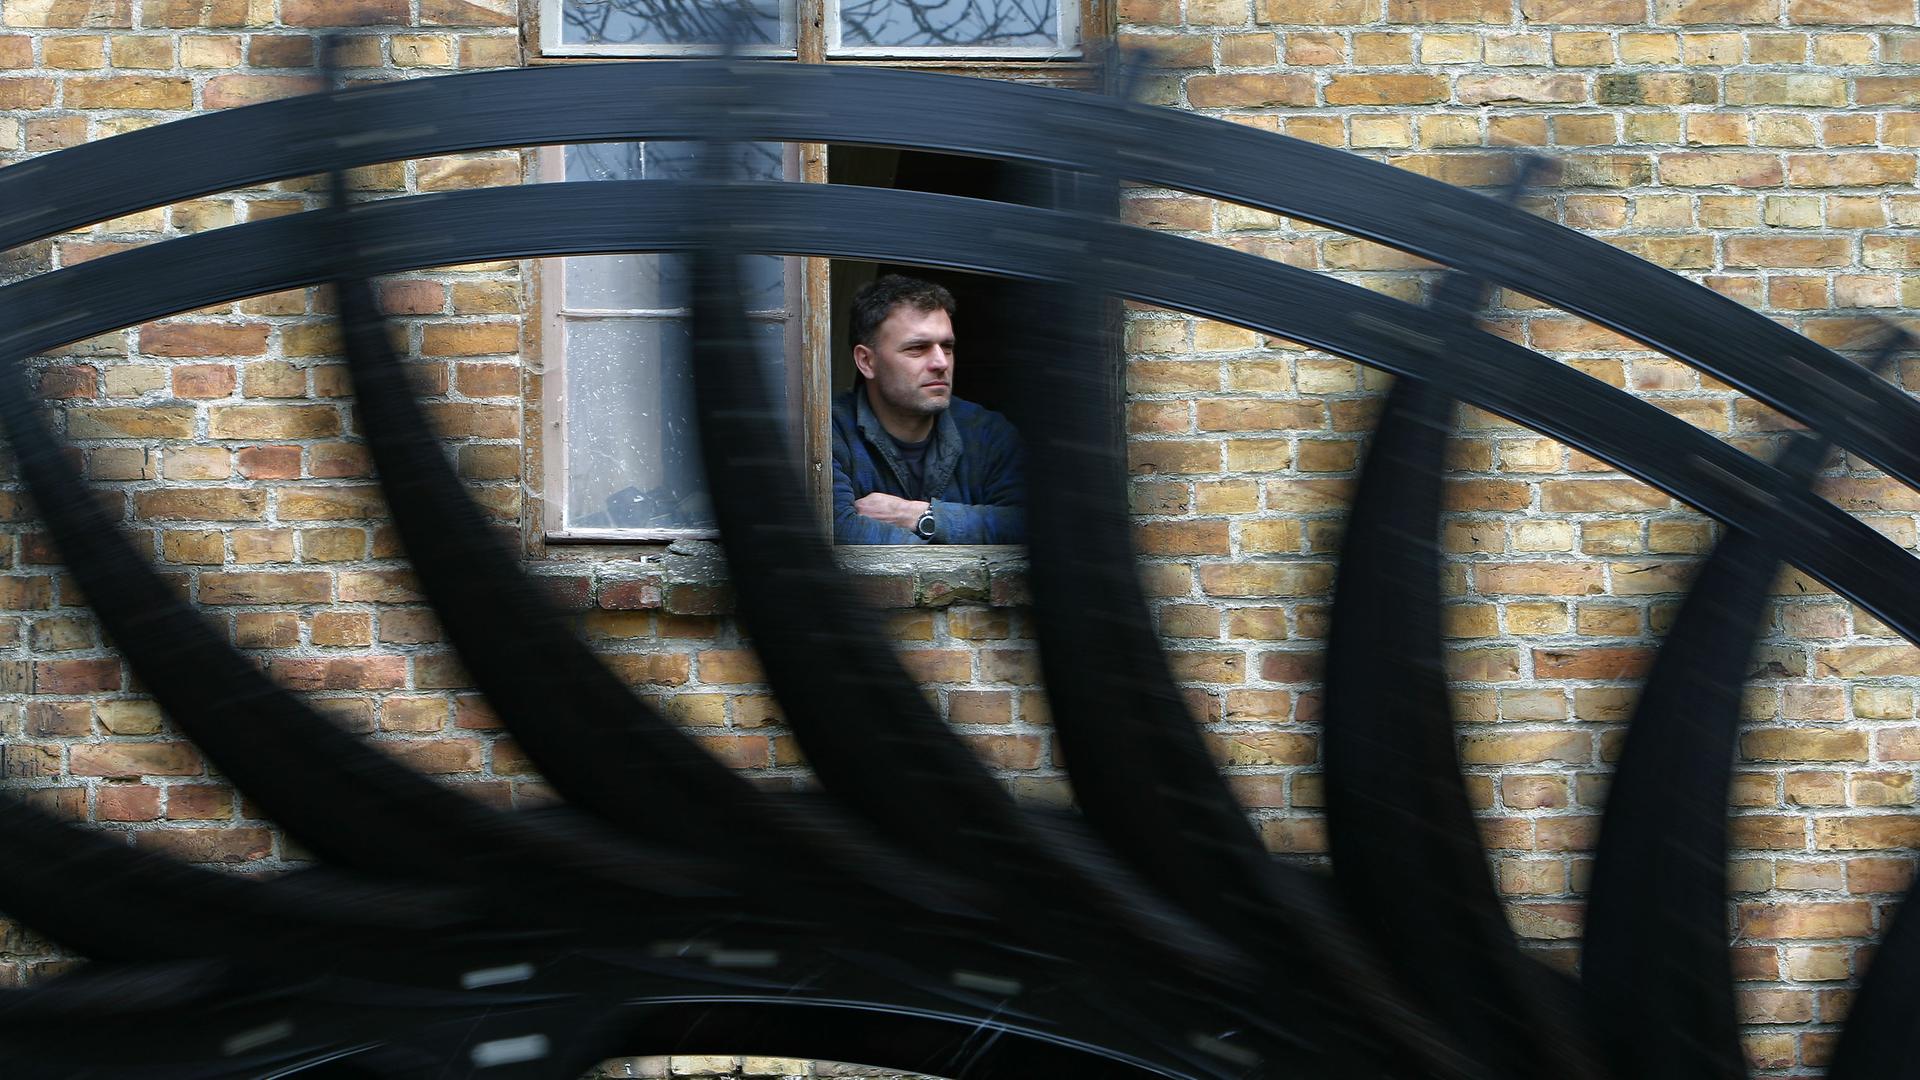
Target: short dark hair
(877, 299)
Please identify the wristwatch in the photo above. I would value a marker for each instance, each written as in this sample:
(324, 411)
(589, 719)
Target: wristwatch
(923, 528)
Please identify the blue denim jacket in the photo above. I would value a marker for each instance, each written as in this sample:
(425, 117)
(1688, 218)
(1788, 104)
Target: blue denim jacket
(975, 475)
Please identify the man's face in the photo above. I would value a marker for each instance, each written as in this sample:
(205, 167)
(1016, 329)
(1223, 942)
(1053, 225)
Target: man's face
(910, 363)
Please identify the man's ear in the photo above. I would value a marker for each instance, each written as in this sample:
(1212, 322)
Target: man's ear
(863, 361)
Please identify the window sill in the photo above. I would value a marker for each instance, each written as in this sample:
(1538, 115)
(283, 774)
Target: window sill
(689, 577)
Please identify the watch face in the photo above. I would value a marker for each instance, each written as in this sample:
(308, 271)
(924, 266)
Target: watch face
(925, 525)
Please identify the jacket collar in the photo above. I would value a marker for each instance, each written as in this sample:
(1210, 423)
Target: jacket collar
(946, 443)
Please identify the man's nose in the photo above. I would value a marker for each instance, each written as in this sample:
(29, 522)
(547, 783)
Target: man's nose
(940, 358)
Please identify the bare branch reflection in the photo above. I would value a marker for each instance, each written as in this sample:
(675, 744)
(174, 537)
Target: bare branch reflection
(909, 23)
(675, 22)
(948, 22)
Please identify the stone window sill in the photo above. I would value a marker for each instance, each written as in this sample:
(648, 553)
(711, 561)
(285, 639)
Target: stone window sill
(689, 577)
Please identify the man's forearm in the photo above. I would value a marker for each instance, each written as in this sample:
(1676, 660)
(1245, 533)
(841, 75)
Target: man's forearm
(853, 528)
(978, 523)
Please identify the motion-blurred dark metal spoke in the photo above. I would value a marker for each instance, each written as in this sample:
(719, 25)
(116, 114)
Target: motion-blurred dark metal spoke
(352, 804)
(1655, 962)
(187, 1022)
(857, 715)
(602, 747)
(1881, 1037)
(1406, 849)
(75, 893)
(346, 800)
(860, 716)
(1140, 770)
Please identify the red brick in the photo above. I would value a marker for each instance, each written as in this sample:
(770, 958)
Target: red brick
(651, 669)
(1582, 12)
(1249, 91)
(146, 422)
(198, 802)
(1865, 833)
(1701, 169)
(1600, 496)
(1803, 744)
(69, 381)
(1700, 12)
(26, 593)
(1528, 748)
(302, 587)
(75, 676)
(1807, 920)
(272, 421)
(127, 760)
(1521, 89)
(233, 91)
(1450, 11)
(181, 339)
(1850, 12)
(128, 802)
(1265, 748)
(1596, 663)
(345, 673)
(1538, 579)
(270, 462)
(207, 845)
(469, 13)
(203, 381)
(1386, 89)
(195, 13)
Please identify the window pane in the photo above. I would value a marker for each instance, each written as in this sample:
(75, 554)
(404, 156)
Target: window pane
(676, 22)
(647, 282)
(949, 23)
(633, 456)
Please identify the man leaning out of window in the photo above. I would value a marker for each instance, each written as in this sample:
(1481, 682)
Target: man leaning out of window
(912, 463)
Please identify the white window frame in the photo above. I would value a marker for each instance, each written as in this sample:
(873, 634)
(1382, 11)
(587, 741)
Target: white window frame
(557, 315)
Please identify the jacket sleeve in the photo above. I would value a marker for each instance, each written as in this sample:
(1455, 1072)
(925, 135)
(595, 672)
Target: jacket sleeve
(1001, 518)
(849, 527)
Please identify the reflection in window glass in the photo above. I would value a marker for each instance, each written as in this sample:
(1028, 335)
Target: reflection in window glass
(949, 23)
(649, 282)
(677, 22)
(633, 452)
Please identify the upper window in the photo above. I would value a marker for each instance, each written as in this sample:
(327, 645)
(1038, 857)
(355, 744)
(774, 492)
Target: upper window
(960, 29)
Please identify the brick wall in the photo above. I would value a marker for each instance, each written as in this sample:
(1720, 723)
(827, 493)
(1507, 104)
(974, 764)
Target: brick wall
(1763, 148)
(1760, 147)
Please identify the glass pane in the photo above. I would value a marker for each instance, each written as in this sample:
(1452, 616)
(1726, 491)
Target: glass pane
(681, 160)
(633, 454)
(949, 23)
(676, 22)
(648, 282)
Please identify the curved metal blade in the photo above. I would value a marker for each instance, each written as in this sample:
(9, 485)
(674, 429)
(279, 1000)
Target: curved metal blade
(1655, 962)
(594, 103)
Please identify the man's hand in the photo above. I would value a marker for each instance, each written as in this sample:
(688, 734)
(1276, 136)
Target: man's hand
(891, 509)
